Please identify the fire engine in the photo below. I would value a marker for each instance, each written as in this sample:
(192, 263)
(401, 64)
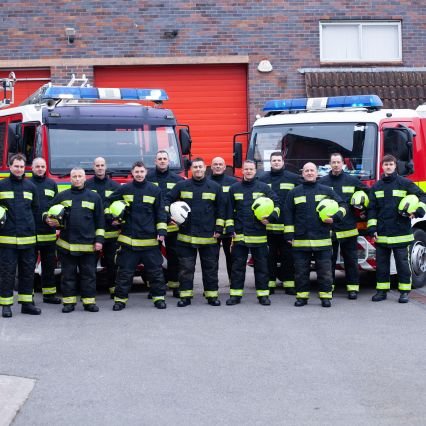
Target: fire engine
(310, 129)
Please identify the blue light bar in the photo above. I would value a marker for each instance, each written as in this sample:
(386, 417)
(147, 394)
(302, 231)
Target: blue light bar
(83, 93)
(306, 104)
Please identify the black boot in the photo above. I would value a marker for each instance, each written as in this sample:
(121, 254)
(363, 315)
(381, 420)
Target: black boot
(30, 309)
(213, 301)
(326, 303)
(118, 306)
(300, 302)
(176, 293)
(183, 302)
(68, 307)
(352, 295)
(52, 299)
(160, 304)
(233, 300)
(264, 300)
(6, 311)
(91, 307)
(403, 297)
(379, 296)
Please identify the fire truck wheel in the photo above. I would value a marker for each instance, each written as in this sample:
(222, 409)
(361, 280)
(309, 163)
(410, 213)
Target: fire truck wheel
(418, 258)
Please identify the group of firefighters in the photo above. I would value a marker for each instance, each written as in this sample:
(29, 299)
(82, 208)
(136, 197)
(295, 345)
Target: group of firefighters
(222, 211)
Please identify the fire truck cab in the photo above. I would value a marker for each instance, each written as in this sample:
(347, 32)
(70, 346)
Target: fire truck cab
(358, 128)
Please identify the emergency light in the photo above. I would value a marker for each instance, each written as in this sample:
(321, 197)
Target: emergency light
(97, 93)
(307, 104)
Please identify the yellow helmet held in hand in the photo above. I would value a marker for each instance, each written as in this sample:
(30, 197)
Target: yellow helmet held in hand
(3, 216)
(408, 205)
(360, 200)
(118, 210)
(262, 207)
(327, 208)
(57, 212)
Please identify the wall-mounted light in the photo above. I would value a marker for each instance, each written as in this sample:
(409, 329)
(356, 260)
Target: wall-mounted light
(70, 34)
(171, 33)
(264, 66)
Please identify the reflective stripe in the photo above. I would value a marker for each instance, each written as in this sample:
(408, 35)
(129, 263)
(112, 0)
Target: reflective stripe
(128, 198)
(325, 295)
(399, 193)
(69, 300)
(155, 183)
(272, 284)
(343, 210)
(121, 300)
(87, 248)
(42, 238)
(277, 211)
(111, 290)
(111, 234)
(312, 243)
(238, 196)
(148, 199)
(229, 222)
(88, 300)
(94, 190)
(347, 234)
(25, 298)
(286, 186)
(383, 286)
(320, 197)
(301, 199)
(196, 240)
(220, 222)
(236, 292)
(372, 222)
(170, 185)
(225, 188)
(212, 293)
(379, 194)
(348, 189)
(28, 195)
(250, 239)
(157, 298)
(48, 290)
(161, 225)
(186, 293)
(173, 284)
(302, 295)
(49, 193)
(18, 240)
(262, 293)
(257, 195)
(352, 287)
(63, 186)
(395, 240)
(100, 232)
(108, 193)
(66, 203)
(288, 228)
(4, 301)
(288, 284)
(172, 228)
(88, 205)
(134, 242)
(6, 194)
(208, 196)
(275, 227)
(186, 194)
(404, 286)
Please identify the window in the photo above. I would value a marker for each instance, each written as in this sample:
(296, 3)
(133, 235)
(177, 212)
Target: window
(354, 41)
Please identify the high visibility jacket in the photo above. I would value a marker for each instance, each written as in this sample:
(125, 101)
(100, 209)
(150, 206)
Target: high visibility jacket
(345, 186)
(166, 181)
(84, 221)
(302, 223)
(20, 198)
(205, 199)
(281, 182)
(145, 217)
(104, 188)
(392, 229)
(46, 190)
(241, 220)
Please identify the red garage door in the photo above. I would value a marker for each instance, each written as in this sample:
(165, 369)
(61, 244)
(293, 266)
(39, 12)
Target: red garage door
(211, 99)
(27, 82)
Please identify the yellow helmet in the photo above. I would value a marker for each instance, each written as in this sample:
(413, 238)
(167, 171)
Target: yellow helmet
(327, 208)
(262, 207)
(118, 210)
(408, 205)
(360, 200)
(57, 212)
(3, 216)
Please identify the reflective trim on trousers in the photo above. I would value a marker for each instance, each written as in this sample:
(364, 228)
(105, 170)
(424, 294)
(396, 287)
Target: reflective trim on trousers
(325, 295)
(121, 300)
(25, 298)
(173, 284)
(352, 287)
(236, 292)
(288, 284)
(69, 300)
(383, 286)
(111, 290)
(4, 301)
(157, 298)
(48, 290)
(262, 293)
(404, 286)
(272, 284)
(210, 294)
(184, 294)
(302, 295)
(88, 300)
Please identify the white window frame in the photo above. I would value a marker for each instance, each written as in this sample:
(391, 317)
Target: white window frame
(361, 25)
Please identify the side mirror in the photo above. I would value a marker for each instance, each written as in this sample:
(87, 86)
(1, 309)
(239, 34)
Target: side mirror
(238, 155)
(185, 141)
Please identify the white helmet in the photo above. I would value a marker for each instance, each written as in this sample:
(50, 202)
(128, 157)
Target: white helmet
(179, 211)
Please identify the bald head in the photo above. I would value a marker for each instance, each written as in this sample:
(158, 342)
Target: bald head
(218, 166)
(99, 167)
(310, 172)
(39, 167)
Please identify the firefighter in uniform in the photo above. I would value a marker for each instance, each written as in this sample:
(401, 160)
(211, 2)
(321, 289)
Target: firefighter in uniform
(144, 227)
(310, 236)
(104, 186)
(345, 233)
(46, 235)
(281, 181)
(391, 230)
(218, 167)
(249, 234)
(80, 238)
(165, 179)
(199, 233)
(18, 196)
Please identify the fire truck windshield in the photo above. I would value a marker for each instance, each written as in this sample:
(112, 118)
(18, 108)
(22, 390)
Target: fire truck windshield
(121, 147)
(300, 143)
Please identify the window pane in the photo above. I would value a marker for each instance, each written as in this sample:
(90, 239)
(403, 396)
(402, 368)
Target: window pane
(380, 42)
(340, 43)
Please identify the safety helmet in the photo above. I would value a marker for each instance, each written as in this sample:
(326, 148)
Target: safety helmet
(360, 200)
(179, 211)
(57, 212)
(327, 208)
(262, 207)
(408, 205)
(3, 216)
(118, 210)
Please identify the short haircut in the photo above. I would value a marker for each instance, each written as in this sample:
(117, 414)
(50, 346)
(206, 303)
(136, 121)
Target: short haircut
(162, 151)
(75, 169)
(249, 162)
(138, 164)
(38, 159)
(18, 157)
(277, 154)
(196, 159)
(335, 154)
(388, 158)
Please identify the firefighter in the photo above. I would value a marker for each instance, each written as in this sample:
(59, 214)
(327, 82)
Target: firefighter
(143, 228)
(165, 179)
(345, 233)
(310, 236)
(46, 235)
(218, 167)
(249, 233)
(199, 233)
(281, 181)
(392, 232)
(18, 196)
(104, 186)
(81, 236)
